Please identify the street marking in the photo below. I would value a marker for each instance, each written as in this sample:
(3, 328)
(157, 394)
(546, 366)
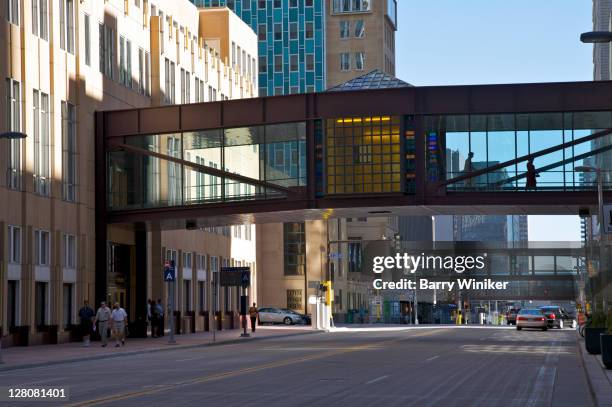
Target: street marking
(432, 358)
(377, 379)
(319, 348)
(233, 373)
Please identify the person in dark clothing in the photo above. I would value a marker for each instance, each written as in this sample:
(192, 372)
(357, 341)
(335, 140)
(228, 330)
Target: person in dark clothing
(531, 175)
(86, 315)
(160, 322)
(253, 312)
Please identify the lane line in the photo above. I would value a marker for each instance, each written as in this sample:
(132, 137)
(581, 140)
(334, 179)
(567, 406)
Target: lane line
(233, 373)
(432, 358)
(55, 379)
(377, 379)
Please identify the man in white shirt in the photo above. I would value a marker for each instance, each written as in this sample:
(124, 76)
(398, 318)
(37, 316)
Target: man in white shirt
(118, 323)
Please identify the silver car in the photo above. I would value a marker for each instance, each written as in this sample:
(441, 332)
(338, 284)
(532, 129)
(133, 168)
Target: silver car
(531, 318)
(279, 316)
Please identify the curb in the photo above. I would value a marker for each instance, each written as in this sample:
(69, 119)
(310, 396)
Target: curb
(167, 348)
(586, 372)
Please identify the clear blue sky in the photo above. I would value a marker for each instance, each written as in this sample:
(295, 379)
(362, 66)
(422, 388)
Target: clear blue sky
(446, 42)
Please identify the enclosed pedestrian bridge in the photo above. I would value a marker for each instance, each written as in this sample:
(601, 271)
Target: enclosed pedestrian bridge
(363, 152)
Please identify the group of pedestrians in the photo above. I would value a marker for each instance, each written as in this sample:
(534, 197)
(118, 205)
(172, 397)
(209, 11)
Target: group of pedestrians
(104, 320)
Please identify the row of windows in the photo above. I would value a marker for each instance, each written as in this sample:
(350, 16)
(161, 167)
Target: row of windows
(42, 295)
(358, 32)
(351, 6)
(42, 248)
(41, 114)
(293, 63)
(358, 61)
(261, 4)
(262, 31)
(244, 62)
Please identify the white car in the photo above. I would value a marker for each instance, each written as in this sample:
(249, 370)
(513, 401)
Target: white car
(279, 316)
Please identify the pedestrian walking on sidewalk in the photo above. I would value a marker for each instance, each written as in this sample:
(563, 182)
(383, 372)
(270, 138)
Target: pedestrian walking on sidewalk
(118, 323)
(86, 314)
(102, 319)
(253, 313)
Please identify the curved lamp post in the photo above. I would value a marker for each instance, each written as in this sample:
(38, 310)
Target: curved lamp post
(10, 135)
(596, 37)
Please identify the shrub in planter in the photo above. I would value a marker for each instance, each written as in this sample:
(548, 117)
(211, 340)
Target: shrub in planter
(593, 331)
(606, 343)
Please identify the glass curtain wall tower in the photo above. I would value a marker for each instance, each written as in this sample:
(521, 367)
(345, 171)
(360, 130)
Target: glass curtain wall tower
(291, 42)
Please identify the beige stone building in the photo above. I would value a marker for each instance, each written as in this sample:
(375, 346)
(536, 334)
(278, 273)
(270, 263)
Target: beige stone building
(360, 37)
(62, 61)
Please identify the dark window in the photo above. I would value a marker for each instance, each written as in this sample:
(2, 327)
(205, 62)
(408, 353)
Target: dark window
(354, 257)
(202, 298)
(187, 295)
(293, 31)
(261, 4)
(294, 62)
(13, 302)
(278, 31)
(310, 62)
(278, 63)
(67, 305)
(40, 304)
(294, 242)
(309, 30)
(261, 30)
(263, 64)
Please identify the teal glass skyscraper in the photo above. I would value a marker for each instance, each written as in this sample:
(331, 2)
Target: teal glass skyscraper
(291, 39)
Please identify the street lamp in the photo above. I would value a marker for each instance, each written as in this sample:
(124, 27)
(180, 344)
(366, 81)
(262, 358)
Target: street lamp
(9, 135)
(596, 37)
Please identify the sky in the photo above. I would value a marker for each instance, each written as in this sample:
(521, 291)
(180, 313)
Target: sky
(451, 42)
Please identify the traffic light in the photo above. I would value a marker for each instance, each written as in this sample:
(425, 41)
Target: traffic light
(329, 293)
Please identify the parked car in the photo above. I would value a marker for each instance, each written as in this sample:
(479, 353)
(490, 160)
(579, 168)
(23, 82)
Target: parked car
(511, 316)
(557, 317)
(279, 316)
(531, 318)
(305, 318)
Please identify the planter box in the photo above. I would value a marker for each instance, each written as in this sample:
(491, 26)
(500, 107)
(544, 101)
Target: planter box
(606, 350)
(592, 341)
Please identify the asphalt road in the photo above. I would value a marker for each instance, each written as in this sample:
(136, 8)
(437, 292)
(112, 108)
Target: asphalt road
(419, 367)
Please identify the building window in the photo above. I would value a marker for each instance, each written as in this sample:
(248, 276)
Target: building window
(345, 61)
(40, 304)
(261, 32)
(277, 3)
(125, 61)
(40, 19)
(13, 105)
(187, 260)
(70, 253)
(354, 257)
(107, 50)
(293, 62)
(263, 64)
(293, 3)
(351, 6)
(172, 82)
(14, 244)
(187, 295)
(345, 28)
(67, 298)
(261, 4)
(293, 31)
(69, 151)
(308, 3)
(13, 11)
(13, 303)
(294, 244)
(147, 73)
(309, 30)
(182, 86)
(278, 63)
(42, 150)
(201, 296)
(310, 62)
(278, 90)
(67, 25)
(278, 31)
(41, 248)
(87, 29)
(359, 61)
(359, 29)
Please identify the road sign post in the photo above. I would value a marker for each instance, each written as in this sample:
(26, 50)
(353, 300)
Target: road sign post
(238, 277)
(170, 278)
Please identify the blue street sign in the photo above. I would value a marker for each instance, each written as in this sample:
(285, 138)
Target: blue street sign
(169, 271)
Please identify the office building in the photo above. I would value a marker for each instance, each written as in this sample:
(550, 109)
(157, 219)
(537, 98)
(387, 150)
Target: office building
(65, 60)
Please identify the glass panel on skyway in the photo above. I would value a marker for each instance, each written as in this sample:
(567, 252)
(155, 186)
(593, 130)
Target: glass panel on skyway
(473, 143)
(225, 160)
(363, 155)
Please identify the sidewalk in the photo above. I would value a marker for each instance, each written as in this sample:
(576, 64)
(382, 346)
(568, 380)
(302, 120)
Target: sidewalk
(598, 377)
(18, 357)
